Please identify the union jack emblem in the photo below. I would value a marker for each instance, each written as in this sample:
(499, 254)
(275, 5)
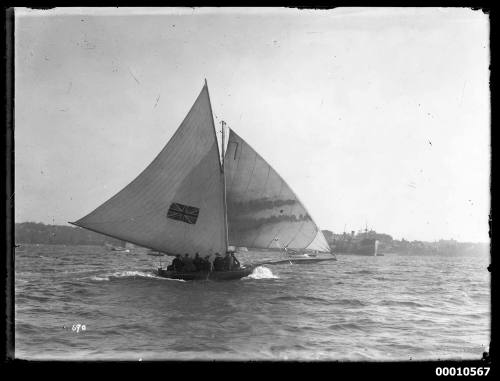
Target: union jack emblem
(184, 213)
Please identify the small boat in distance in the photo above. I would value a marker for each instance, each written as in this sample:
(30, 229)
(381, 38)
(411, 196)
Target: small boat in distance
(155, 254)
(300, 260)
(191, 199)
(117, 248)
(122, 249)
(299, 257)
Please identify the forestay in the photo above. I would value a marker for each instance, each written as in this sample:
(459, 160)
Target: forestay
(176, 204)
(262, 210)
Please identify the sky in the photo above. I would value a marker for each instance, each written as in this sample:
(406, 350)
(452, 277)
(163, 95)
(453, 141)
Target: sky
(375, 117)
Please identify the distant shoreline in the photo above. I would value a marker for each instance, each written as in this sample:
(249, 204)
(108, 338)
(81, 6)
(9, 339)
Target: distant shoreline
(40, 233)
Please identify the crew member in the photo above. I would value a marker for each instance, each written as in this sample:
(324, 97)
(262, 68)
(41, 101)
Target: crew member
(218, 263)
(198, 262)
(208, 265)
(177, 263)
(236, 263)
(228, 261)
(188, 263)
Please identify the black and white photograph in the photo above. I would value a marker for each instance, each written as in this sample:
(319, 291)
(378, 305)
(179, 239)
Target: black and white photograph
(252, 184)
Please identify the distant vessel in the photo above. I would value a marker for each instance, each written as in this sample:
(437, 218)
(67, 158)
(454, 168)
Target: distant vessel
(155, 254)
(192, 200)
(300, 257)
(122, 249)
(117, 248)
(363, 243)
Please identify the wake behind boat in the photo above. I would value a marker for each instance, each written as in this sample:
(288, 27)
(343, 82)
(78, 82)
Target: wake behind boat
(191, 200)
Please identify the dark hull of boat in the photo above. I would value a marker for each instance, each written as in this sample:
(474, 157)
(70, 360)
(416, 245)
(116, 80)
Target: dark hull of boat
(367, 247)
(301, 261)
(206, 275)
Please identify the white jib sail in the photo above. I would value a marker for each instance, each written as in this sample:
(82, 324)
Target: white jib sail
(261, 207)
(176, 204)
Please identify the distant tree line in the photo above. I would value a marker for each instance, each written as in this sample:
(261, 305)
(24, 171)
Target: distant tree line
(32, 232)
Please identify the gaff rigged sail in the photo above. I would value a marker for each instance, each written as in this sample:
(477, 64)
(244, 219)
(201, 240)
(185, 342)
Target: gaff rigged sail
(261, 207)
(176, 204)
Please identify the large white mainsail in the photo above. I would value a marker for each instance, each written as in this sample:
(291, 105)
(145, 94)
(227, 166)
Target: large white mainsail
(176, 204)
(261, 208)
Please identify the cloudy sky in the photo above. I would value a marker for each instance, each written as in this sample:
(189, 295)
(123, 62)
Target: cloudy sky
(373, 116)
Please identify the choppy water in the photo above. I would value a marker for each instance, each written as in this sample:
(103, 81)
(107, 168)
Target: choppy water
(357, 308)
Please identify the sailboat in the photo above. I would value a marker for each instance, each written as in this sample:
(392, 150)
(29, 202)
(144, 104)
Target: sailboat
(122, 248)
(191, 199)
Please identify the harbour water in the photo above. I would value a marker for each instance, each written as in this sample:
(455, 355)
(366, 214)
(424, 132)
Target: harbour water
(358, 308)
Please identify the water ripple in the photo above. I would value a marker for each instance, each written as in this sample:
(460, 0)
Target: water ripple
(354, 309)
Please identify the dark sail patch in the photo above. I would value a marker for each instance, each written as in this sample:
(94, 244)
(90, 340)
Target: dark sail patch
(184, 213)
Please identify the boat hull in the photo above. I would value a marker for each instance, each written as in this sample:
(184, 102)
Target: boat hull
(300, 261)
(367, 247)
(120, 250)
(207, 275)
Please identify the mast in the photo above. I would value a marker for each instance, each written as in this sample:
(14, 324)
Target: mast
(221, 166)
(224, 188)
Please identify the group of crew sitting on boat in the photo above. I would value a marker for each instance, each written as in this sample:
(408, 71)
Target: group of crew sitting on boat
(186, 264)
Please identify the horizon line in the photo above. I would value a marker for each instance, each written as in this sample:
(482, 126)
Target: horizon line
(417, 240)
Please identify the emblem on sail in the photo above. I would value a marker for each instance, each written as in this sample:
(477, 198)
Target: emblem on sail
(202, 195)
(184, 213)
